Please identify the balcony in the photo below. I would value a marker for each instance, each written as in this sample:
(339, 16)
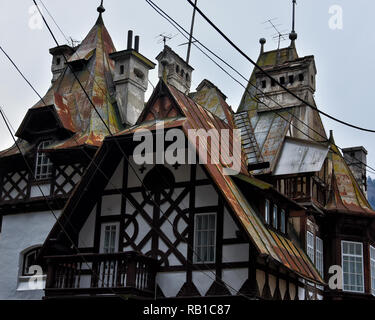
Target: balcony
(101, 274)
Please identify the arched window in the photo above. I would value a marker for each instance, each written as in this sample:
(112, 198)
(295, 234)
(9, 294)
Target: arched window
(29, 259)
(43, 165)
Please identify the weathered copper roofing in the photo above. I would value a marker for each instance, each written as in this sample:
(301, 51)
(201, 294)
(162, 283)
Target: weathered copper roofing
(74, 110)
(210, 97)
(268, 243)
(346, 196)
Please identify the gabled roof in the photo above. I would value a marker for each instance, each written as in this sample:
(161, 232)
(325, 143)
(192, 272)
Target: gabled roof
(210, 97)
(193, 116)
(71, 105)
(346, 196)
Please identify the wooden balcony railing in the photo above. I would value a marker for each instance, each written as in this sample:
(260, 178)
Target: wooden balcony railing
(95, 274)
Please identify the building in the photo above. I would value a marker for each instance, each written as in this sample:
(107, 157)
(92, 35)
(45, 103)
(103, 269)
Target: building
(99, 223)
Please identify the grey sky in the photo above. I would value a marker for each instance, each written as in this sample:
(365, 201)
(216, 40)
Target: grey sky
(343, 57)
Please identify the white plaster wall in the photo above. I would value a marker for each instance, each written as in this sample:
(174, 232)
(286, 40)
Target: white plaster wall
(18, 233)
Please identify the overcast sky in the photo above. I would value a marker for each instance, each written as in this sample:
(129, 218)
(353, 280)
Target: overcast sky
(343, 57)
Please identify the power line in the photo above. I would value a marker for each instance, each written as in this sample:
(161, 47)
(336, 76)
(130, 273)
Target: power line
(270, 77)
(116, 141)
(179, 28)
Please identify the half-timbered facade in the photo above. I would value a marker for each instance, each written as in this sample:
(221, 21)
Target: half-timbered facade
(56, 141)
(178, 230)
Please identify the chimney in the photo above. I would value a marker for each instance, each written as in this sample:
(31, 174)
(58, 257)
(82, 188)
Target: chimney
(356, 158)
(174, 70)
(58, 60)
(131, 80)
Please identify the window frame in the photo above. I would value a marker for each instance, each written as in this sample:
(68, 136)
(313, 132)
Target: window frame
(275, 218)
(319, 253)
(342, 264)
(309, 247)
(283, 221)
(267, 209)
(196, 260)
(102, 248)
(25, 273)
(372, 269)
(39, 164)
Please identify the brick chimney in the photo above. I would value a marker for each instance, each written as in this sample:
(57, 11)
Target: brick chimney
(174, 70)
(131, 80)
(356, 158)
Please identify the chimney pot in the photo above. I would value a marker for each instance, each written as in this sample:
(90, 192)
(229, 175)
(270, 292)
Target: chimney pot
(136, 43)
(130, 39)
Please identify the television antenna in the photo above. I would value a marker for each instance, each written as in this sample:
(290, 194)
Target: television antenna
(164, 38)
(279, 35)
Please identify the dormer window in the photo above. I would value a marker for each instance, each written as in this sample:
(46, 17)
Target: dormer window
(43, 165)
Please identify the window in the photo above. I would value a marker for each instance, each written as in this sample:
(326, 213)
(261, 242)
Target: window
(372, 264)
(205, 238)
(310, 246)
(291, 79)
(177, 68)
(283, 221)
(352, 264)
(301, 77)
(264, 84)
(282, 80)
(43, 166)
(109, 238)
(58, 61)
(29, 260)
(274, 220)
(273, 82)
(319, 255)
(267, 212)
(122, 69)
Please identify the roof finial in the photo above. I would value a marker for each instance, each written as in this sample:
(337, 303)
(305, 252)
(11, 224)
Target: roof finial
(262, 42)
(293, 34)
(101, 8)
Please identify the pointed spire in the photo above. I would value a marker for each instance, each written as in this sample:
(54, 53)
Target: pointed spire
(101, 8)
(293, 35)
(262, 42)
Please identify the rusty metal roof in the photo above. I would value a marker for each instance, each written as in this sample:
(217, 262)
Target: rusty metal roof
(74, 110)
(268, 243)
(346, 196)
(210, 97)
